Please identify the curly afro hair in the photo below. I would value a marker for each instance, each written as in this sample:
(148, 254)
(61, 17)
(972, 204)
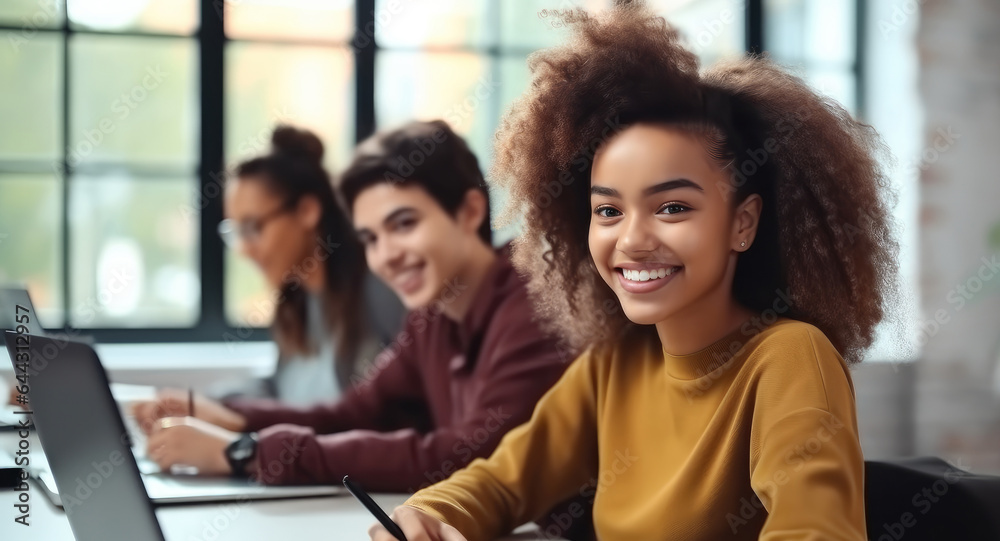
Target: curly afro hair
(824, 239)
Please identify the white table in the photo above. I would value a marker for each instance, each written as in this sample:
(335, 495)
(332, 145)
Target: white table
(331, 518)
(183, 365)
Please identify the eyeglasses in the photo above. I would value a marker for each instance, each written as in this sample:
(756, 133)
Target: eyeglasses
(233, 233)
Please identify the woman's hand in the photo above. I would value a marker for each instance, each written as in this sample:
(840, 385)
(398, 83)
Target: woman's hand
(416, 526)
(174, 403)
(186, 441)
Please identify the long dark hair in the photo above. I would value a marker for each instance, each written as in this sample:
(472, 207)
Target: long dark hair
(293, 169)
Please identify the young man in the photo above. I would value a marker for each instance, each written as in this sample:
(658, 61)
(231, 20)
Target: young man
(468, 366)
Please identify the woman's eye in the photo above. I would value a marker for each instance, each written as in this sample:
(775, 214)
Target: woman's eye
(607, 212)
(673, 208)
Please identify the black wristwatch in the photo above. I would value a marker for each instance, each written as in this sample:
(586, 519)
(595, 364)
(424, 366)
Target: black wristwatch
(241, 452)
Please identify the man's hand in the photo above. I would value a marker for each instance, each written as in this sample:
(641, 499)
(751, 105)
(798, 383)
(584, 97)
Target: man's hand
(416, 526)
(174, 403)
(186, 441)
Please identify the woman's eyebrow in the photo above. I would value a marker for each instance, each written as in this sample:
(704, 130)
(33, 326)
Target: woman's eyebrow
(661, 187)
(601, 190)
(672, 185)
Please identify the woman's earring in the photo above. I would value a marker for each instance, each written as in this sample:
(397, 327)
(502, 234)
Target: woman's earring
(744, 243)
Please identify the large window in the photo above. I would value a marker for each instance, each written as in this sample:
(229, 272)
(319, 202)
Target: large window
(120, 117)
(98, 154)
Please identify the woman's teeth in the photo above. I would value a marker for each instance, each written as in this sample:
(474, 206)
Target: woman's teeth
(647, 275)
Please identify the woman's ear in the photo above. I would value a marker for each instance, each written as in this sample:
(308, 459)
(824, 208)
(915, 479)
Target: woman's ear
(473, 211)
(309, 211)
(745, 222)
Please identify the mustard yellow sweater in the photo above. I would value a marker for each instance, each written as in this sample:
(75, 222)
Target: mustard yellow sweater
(754, 437)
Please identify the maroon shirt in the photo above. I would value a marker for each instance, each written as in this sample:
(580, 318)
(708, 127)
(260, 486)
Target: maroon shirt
(442, 394)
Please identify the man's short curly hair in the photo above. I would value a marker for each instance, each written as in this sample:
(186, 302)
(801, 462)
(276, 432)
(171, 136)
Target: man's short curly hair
(824, 239)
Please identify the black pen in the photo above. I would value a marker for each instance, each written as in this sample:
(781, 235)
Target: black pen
(374, 509)
(190, 402)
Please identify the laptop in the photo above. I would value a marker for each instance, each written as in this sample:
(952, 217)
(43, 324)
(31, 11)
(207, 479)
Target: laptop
(88, 461)
(81, 428)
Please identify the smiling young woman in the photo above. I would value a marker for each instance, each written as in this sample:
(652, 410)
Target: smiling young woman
(722, 254)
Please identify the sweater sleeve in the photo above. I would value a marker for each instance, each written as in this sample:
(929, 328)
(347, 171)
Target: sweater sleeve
(535, 466)
(516, 368)
(805, 450)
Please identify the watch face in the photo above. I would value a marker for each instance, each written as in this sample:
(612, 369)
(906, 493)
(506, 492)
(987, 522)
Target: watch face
(242, 451)
(243, 448)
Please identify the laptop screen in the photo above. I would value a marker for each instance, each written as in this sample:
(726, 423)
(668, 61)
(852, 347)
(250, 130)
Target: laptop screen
(16, 310)
(85, 441)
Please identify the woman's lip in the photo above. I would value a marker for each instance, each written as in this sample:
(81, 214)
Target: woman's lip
(646, 266)
(647, 286)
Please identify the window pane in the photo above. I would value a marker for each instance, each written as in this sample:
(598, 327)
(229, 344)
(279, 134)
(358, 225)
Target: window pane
(455, 87)
(417, 23)
(133, 100)
(31, 242)
(836, 83)
(309, 87)
(530, 24)
(161, 16)
(30, 15)
(31, 107)
(821, 31)
(326, 20)
(133, 251)
(514, 75)
(713, 29)
(248, 298)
